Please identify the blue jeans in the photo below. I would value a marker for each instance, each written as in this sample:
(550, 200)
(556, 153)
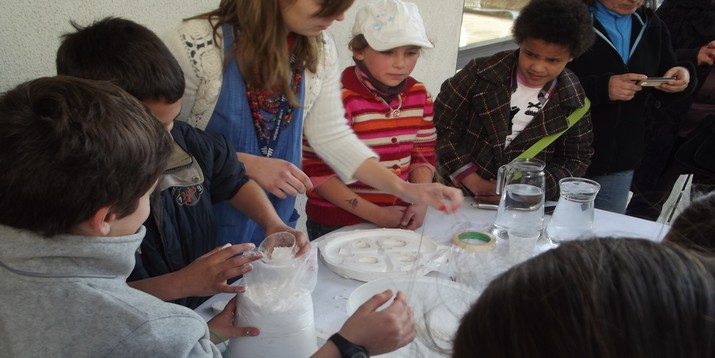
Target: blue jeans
(613, 195)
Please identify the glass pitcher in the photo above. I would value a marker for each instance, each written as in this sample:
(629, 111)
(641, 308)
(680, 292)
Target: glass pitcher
(573, 216)
(521, 207)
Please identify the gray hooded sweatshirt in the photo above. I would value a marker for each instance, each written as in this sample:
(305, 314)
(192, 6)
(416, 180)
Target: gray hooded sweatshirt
(66, 296)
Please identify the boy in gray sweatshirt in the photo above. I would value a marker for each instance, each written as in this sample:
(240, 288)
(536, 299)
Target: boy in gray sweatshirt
(80, 159)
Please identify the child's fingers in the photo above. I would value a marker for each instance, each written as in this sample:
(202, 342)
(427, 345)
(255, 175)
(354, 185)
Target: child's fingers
(375, 301)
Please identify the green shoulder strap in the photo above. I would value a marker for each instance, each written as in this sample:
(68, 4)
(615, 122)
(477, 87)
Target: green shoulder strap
(544, 142)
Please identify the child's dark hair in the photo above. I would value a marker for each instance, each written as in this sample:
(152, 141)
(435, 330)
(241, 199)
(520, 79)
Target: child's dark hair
(595, 298)
(125, 53)
(693, 228)
(358, 43)
(69, 147)
(563, 22)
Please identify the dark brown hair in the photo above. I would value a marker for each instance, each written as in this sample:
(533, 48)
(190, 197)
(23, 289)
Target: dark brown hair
(563, 22)
(601, 298)
(125, 53)
(694, 227)
(69, 147)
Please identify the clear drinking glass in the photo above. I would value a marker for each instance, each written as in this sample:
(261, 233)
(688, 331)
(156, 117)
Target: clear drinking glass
(573, 216)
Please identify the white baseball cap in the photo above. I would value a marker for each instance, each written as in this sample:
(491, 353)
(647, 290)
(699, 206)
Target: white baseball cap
(387, 24)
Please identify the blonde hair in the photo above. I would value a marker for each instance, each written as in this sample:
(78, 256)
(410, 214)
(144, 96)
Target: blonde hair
(261, 50)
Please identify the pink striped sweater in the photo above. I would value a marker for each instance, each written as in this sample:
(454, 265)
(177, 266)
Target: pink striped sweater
(403, 143)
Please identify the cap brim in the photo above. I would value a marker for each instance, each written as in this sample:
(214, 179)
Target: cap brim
(379, 45)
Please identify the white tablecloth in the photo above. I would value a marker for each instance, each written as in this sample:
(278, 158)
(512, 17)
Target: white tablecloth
(332, 291)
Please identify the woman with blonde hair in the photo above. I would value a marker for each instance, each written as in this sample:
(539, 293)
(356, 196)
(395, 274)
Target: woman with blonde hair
(264, 74)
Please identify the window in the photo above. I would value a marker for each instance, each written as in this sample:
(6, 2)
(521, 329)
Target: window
(486, 28)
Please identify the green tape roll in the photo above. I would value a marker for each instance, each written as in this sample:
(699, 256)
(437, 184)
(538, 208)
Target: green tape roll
(475, 241)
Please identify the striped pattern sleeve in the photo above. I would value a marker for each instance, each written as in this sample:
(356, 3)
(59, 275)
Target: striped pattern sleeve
(402, 142)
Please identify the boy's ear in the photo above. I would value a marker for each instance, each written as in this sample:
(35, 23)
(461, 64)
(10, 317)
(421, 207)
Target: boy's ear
(100, 223)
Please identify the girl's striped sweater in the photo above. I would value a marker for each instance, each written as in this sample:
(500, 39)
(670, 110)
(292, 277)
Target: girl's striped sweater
(402, 142)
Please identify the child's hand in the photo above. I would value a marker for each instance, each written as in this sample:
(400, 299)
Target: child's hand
(222, 323)
(388, 216)
(623, 87)
(301, 241)
(706, 54)
(413, 217)
(484, 191)
(302, 244)
(381, 331)
(207, 275)
(682, 79)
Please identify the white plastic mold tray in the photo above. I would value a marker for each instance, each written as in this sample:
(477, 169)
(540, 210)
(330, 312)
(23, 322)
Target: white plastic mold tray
(366, 255)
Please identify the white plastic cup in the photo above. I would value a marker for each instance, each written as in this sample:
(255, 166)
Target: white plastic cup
(522, 243)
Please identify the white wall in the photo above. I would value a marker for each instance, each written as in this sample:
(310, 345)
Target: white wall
(30, 31)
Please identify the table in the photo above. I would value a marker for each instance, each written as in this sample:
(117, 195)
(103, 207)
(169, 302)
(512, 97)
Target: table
(332, 291)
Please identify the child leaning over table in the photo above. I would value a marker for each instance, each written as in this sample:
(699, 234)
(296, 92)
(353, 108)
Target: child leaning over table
(389, 111)
(73, 205)
(71, 220)
(497, 107)
(178, 259)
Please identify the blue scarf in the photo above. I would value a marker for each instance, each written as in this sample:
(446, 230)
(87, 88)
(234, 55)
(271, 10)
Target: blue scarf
(618, 28)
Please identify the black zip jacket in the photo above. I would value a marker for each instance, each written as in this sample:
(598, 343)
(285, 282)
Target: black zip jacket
(619, 126)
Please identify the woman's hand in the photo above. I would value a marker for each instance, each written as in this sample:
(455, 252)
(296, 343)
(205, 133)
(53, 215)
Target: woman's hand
(438, 196)
(277, 176)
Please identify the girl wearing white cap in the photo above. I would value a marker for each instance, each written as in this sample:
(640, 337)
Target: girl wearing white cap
(263, 73)
(390, 111)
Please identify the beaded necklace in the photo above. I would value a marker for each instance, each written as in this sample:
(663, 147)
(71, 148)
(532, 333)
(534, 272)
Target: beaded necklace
(271, 110)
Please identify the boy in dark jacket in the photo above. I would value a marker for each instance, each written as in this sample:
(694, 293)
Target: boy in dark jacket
(497, 107)
(178, 259)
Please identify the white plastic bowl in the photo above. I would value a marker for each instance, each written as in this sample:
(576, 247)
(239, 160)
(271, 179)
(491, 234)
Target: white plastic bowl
(438, 305)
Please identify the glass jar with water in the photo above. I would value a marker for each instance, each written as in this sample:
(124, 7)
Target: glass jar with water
(521, 207)
(573, 216)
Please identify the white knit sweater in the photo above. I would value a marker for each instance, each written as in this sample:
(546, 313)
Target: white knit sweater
(324, 122)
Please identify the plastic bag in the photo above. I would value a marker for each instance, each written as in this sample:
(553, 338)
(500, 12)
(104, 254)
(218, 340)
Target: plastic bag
(278, 301)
